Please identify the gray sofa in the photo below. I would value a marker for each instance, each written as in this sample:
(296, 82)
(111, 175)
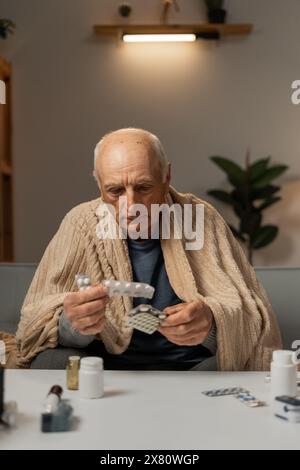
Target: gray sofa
(281, 284)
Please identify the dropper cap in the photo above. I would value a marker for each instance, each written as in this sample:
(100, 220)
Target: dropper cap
(56, 390)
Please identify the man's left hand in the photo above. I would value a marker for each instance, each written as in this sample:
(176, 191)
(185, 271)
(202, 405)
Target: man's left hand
(187, 324)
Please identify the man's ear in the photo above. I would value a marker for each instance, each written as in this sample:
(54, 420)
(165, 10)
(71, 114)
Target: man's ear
(96, 178)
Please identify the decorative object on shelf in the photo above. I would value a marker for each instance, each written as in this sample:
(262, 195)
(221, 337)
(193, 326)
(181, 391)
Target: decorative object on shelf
(167, 4)
(124, 10)
(252, 193)
(215, 11)
(6, 27)
(165, 32)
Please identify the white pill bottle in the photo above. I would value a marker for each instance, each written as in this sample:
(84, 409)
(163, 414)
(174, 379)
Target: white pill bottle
(91, 383)
(284, 373)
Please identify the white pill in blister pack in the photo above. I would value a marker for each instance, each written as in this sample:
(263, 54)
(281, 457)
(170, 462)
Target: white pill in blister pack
(132, 289)
(83, 282)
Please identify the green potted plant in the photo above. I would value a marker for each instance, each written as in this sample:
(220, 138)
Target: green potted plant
(252, 193)
(6, 27)
(215, 11)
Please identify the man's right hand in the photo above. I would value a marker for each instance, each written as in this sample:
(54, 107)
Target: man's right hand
(85, 309)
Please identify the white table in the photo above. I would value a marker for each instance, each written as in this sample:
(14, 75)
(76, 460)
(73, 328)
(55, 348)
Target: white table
(150, 410)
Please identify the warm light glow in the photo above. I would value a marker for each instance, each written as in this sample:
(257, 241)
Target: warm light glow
(159, 37)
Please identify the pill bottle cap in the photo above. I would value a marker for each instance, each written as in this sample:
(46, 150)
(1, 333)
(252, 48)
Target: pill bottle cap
(283, 357)
(91, 363)
(73, 362)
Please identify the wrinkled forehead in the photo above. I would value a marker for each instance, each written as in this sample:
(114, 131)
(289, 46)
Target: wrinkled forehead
(125, 141)
(120, 154)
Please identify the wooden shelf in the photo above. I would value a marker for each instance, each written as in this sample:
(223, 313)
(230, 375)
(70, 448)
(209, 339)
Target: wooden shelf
(118, 30)
(5, 69)
(6, 171)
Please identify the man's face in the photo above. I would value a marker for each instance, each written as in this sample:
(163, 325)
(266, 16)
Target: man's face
(128, 167)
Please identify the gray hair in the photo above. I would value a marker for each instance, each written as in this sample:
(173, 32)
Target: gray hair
(153, 140)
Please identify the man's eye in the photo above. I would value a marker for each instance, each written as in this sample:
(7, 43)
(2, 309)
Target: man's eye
(115, 191)
(143, 188)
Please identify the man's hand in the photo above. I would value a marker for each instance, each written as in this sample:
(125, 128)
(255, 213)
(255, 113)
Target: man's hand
(187, 324)
(85, 309)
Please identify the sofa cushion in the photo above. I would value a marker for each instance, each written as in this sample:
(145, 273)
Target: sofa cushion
(15, 279)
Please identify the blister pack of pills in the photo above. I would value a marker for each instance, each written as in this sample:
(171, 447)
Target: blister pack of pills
(145, 318)
(220, 392)
(240, 393)
(248, 399)
(132, 289)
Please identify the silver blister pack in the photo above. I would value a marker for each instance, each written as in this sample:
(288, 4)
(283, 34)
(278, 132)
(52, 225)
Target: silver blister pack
(115, 287)
(145, 318)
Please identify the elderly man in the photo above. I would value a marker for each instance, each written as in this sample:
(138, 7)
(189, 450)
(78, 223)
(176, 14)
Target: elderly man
(217, 314)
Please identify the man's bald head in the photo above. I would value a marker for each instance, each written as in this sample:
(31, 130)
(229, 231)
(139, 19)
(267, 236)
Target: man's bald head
(130, 138)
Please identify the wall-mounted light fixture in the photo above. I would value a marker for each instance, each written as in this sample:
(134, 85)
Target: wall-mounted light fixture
(165, 32)
(191, 37)
(159, 37)
(172, 33)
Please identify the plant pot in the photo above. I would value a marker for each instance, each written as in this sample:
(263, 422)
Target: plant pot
(217, 16)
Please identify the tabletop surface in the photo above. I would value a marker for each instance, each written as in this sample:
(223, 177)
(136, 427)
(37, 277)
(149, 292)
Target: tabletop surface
(150, 410)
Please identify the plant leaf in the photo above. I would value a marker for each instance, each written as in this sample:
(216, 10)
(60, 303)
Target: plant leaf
(241, 195)
(234, 172)
(221, 195)
(269, 175)
(269, 202)
(239, 210)
(264, 236)
(258, 168)
(262, 193)
(250, 222)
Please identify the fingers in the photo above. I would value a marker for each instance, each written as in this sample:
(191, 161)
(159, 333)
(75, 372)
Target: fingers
(185, 315)
(181, 330)
(82, 297)
(189, 325)
(86, 302)
(90, 308)
(198, 326)
(174, 308)
(90, 325)
(182, 313)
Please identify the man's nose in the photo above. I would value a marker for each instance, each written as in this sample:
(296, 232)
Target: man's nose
(132, 199)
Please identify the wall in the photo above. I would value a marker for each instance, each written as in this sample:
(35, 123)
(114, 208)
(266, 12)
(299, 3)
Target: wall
(201, 99)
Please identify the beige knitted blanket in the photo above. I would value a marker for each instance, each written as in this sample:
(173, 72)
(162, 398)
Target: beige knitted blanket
(219, 274)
